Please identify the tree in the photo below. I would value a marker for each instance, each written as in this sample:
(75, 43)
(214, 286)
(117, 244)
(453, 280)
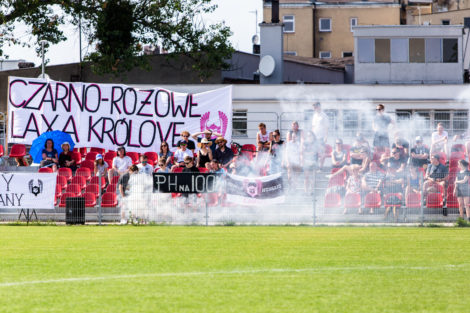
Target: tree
(120, 28)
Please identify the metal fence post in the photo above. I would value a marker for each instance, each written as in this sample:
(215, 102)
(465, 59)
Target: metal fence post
(207, 213)
(314, 198)
(99, 198)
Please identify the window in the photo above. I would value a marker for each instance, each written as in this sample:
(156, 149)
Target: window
(433, 50)
(289, 23)
(325, 24)
(347, 54)
(417, 54)
(290, 53)
(352, 23)
(466, 22)
(366, 50)
(325, 54)
(445, 22)
(449, 50)
(399, 50)
(382, 50)
(240, 123)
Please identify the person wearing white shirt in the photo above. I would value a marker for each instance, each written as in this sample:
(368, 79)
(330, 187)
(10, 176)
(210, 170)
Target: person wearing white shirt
(121, 164)
(180, 154)
(144, 166)
(439, 140)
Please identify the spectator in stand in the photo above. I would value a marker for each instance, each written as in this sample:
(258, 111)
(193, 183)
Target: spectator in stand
(295, 130)
(162, 166)
(360, 153)
(396, 162)
(144, 167)
(436, 174)
(320, 125)
(414, 181)
(189, 168)
(123, 187)
(393, 184)
(276, 152)
(339, 157)
(383, 162)
(363, 166)
(353, 184)
(101, 167)
(65, 157)
(403, 146)
(439, 140)
(215, 167)
(292, 157)
(121, 163)
(309, 158)
(165, 153)
(190, 145)
(223, 154)
(380, 126)
(241, 167)
(49, 155)
(180, 154)
(461, 189)
(466, 137)
(372, 181)
(204, 155)
(419, 153)
(209, 136)
(21, 161)
(263, 138)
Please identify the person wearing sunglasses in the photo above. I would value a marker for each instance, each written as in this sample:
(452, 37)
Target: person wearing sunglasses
(165, 153)
(380, 125)
(162, 166)
(189, 166)
(185, 137)
(209, 135)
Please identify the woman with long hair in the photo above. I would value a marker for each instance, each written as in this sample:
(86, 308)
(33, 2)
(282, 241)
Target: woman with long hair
(101, 166)
(49, 155)
(165, 153)
(461, 189)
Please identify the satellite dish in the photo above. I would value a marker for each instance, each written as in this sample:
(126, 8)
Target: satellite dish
(267, 65)
(255, 39)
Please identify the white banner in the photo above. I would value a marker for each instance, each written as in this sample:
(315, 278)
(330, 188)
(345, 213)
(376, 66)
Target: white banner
(27, 190)
(112, 115)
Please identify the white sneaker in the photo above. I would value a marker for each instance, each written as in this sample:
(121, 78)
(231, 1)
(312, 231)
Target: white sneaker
(123, 221)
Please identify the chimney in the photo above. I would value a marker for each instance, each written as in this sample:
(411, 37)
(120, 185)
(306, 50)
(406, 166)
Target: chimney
(275, 11)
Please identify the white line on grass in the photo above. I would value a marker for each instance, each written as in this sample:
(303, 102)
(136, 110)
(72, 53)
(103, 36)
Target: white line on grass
(236, 272)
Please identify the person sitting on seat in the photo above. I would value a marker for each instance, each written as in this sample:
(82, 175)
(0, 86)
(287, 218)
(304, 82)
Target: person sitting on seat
(339, 157)
(372, 181)
(204, 155)
(101, 166)
(190, 145)
(162, 167)
(419, 153)
(180, 154)
(223, 153)
(144, 166)
(402, 146)
(396, 162)
(353, 184)
(165, 153)
(436, 174)
(121, 163)
(415, 181)
(49, 155)
(65, 157)
(263, 138)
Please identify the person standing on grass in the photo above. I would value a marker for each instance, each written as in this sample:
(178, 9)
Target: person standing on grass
(461, 189)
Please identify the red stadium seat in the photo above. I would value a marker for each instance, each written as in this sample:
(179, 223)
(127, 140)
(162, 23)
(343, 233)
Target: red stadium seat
(235, 149)
(64, 197)
(62, 181)
(134, 156)
(75, 189)
(91, 156)
(328, 150)
(45, 170)
(2, 152)
(83, 151)
(452, 201)
(108, 200)
(85, 172)
(114, 180)
(332, 200)
(203, 170)
(109, 155)
(373, 200)
(96, 180)
(77, 157)
(111, 188)
(88, 164)
(79, 180)
(458, 155)
(413, 200)
(177, 170)
(337, 180)
(93, 188)
(248, 151)
(90, 199)
(152, 156)
(17, 151)
(58, 190)
(66, 172)
(458, 147)
(352, 201)
(98, 150)
(434, 200)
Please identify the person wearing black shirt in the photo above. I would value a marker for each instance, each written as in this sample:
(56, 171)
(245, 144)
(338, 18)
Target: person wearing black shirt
(190, 144)
(65, 157)
(419, 153)
(436, 174)
(223, 154)
(189, 165)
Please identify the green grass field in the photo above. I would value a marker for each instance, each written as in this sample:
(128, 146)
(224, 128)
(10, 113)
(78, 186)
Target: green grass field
(234, 269)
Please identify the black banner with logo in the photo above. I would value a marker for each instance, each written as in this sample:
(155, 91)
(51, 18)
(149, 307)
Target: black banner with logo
(185, 182)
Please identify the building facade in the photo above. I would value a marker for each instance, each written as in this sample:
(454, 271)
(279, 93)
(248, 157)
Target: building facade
(324, 29)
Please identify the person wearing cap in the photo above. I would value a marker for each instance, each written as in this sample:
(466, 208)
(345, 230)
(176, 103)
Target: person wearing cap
(436, 174)
(180, 154)
(204, 155)
(223, 153)
(144, 166)
(439, 139)
(101, 166)
(65, 157)
(419, 153)
(121, 164)
(185, 137)
(339, 157)
(380, 125)
(320, 125)
(403, 147)
(209, 135)
(396, 163)
(49, 155)
(360, 153)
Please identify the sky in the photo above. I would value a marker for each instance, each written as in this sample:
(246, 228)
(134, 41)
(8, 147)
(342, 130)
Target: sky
(237, 14)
